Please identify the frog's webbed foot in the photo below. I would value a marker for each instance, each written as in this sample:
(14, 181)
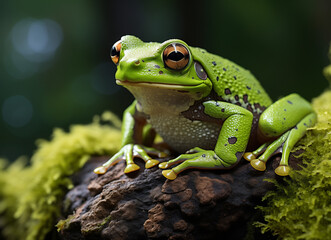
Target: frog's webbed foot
(195, 158)
(259, 157)
(129, 152)
(284, 144)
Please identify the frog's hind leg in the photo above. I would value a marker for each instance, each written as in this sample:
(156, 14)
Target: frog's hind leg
(287, 120)
(294, 135)
(283, 144)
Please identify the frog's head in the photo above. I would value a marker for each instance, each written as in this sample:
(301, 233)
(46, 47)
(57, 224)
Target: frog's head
(168, 65)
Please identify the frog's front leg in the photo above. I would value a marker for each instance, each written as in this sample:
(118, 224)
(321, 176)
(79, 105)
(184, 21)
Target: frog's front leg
(286, 120)
(135, 135)
(230, 146)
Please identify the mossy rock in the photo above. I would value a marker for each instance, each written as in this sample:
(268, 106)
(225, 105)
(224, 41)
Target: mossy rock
(30, 196)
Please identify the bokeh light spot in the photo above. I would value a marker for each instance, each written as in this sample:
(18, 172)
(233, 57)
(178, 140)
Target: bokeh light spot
(36, 40)
(17, 111)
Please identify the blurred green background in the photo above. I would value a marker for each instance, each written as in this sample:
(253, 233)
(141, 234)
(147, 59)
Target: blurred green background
(56, 70)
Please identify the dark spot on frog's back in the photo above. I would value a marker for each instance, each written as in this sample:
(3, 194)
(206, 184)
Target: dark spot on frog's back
(232, 140)
(214, 63)
(157, 66)
(227, 91)
(160, 72)
(289, 102)
(236, 97)
(245, 98)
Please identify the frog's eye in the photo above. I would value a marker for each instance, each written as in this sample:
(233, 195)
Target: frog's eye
(115, 52)
(176, 56)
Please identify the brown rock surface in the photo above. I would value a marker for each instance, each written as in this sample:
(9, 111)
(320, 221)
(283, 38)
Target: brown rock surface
(144, 205)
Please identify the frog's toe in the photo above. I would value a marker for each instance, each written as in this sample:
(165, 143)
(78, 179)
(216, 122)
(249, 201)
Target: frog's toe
(249, 156)
(170, 174)
(258, 164)
(163, 165)
(151, 163)
(282, 170)
(131, 168)
(100, 170)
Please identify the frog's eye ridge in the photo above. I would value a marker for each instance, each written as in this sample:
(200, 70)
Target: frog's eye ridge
(115, 52)
(176, 56)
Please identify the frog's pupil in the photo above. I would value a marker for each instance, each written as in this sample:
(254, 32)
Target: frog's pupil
(114, 52)
(176, 56)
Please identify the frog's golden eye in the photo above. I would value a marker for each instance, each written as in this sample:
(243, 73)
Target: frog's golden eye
(115, 52)
(176, 56)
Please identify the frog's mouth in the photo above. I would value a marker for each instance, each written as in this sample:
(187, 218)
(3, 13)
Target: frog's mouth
(179, 87)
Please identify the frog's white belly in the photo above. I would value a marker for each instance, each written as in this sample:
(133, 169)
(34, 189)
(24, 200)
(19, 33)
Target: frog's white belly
(164, 107)
(182, 134)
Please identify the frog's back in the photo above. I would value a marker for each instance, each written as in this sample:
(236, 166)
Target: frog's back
(233, 83)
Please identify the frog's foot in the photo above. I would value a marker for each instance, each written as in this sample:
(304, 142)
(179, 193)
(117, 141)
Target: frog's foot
(129, 152)
(201, 159)
(259, 157)
(284, 145)
(195, 150)
(249, 156)
(181, 158)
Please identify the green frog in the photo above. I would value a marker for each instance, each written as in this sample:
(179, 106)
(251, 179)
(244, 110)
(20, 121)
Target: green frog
(209, 110)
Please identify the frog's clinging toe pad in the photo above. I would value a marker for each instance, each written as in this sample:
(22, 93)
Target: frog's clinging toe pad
(131, 168)
(100, 170)
(258, 164)
(249, 156)
(163, 165)
(170, 174)
(151, 163)
(282, 170)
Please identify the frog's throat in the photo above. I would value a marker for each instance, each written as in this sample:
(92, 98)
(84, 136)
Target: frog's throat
(157, 99)
(200, 89)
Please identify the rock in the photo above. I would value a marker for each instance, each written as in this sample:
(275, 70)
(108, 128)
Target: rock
(145, 205)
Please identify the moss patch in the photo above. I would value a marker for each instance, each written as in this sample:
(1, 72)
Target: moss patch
(301, 208)
(30, 196)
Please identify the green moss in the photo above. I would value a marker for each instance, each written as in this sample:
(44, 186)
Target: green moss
(105, 221)
(64, 223)
(301, 208)
(31, 196)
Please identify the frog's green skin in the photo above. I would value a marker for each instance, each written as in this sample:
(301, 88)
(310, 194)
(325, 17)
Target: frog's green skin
(213, 120)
